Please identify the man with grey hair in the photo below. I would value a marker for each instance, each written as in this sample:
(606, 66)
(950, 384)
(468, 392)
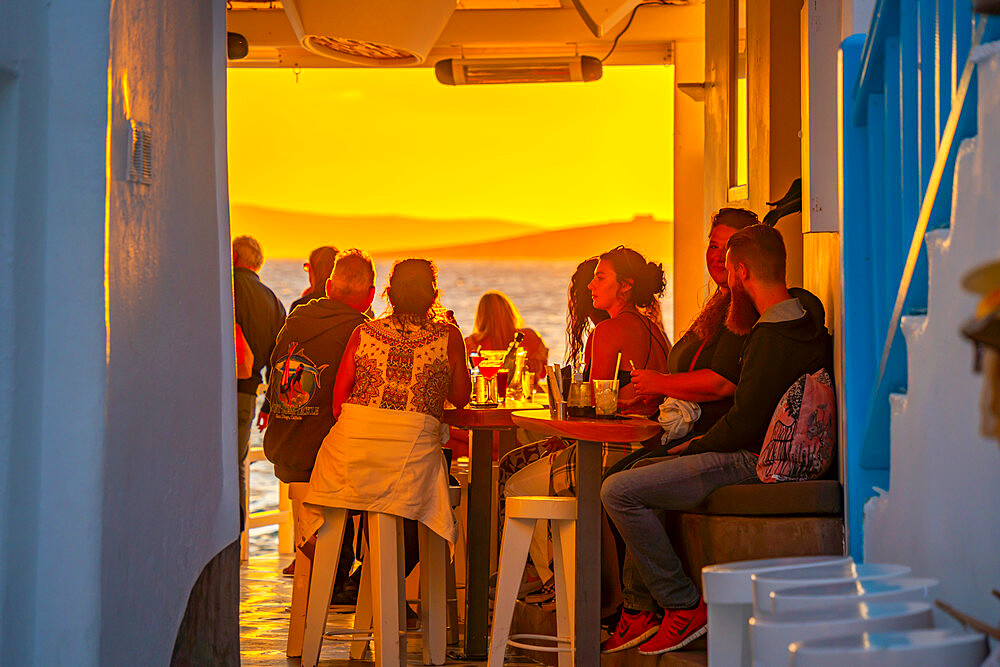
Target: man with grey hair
(305, 360)
(260, 315)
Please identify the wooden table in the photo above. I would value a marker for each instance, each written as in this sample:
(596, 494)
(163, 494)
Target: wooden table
(482, 423)
(589, 433)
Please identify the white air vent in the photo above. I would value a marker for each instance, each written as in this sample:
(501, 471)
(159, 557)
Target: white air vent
(140, 153)
(369, 33)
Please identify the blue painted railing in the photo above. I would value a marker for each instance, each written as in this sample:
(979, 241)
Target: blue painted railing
(899, 138)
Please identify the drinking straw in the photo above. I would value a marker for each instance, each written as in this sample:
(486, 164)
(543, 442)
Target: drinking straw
(618, 365)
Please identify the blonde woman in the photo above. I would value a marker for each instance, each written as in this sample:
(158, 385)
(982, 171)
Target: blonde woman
(497, 320)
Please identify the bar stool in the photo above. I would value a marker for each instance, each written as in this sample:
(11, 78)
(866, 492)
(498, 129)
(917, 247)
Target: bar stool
(297, 491)
(523, 512)
(380, 598)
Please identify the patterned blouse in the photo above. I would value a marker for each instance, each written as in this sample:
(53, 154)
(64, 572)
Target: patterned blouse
(402, 364)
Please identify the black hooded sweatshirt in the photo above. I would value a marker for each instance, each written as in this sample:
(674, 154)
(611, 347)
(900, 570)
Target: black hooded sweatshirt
(304, 367)
(774, 356)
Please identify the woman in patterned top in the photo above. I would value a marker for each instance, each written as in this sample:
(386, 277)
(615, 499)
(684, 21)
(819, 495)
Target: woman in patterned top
(384, 452)
(412, 359)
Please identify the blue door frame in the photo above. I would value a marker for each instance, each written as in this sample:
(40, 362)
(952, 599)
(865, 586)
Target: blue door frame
(896, 89)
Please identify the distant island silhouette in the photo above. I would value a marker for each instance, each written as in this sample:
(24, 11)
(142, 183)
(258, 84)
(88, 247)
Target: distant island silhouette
(654, 238)
(292, 234)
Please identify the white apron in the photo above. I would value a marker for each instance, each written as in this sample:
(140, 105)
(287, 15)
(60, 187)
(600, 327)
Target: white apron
(381, 460)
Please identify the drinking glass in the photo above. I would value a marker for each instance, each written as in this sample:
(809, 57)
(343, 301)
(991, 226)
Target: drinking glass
(579, 400)
(605, 397)
(503, 375)
(489, 367)
(527, 384)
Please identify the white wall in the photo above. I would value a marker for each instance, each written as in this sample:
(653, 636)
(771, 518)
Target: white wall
(941, 516)
(170, 493)
(53, 111)
(117, 469)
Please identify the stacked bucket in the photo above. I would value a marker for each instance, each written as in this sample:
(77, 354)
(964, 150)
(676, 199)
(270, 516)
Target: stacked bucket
(827, 610)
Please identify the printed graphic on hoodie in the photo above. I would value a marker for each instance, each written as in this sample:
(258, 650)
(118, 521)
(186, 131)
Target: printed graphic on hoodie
(297, 378)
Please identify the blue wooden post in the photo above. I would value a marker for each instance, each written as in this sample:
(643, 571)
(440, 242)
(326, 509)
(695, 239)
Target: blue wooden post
(860, 314)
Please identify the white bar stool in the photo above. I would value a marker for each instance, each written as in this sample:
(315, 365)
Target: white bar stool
(903, 589)
(767, 582)
(523, 512)
(916, 648)
(729, 596)
(381, 595)
(771, 634)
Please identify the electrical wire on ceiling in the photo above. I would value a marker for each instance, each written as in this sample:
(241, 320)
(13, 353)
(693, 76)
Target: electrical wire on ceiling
(614, 45)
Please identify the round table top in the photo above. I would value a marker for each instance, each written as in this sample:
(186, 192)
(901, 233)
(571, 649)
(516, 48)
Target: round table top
(620, 429)
(493, 418)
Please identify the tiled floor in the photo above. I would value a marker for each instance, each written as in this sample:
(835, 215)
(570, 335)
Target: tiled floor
(264, 598)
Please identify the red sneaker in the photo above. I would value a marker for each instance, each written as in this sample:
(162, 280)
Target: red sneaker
(680, 627)
(634, 627)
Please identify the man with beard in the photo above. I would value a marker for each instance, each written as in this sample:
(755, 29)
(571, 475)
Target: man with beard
(663, 609)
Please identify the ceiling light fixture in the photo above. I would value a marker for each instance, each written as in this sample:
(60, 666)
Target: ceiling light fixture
(463, 72)
(370, 33)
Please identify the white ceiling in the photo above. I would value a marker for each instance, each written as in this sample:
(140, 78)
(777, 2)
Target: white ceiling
(491, 28)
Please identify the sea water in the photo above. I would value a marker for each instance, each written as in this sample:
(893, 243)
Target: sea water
(538, 288)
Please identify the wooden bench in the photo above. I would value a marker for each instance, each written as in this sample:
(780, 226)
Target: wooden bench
(751, 521)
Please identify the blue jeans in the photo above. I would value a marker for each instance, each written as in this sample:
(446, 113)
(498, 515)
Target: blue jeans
(654, 577)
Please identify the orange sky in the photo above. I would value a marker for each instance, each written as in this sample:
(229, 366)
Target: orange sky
(355, 141)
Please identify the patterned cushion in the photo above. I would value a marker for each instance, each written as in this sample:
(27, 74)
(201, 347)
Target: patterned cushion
(802, 436)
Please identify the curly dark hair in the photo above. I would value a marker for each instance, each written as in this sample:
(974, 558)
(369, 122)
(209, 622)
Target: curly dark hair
(647, 277)
(581, 316)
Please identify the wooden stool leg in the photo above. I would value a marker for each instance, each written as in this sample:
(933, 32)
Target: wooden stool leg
(451, 593)
(433, 598)
(324, 570)
(563, 541)
(363, 610)
(386, 542)
(286, 525)
(300, 597)
(513, 556)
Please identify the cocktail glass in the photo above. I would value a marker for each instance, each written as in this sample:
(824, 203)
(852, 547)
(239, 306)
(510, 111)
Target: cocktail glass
(605, 397)
(489, 367)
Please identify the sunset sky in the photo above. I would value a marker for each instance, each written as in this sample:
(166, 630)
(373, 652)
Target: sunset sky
(355, 141)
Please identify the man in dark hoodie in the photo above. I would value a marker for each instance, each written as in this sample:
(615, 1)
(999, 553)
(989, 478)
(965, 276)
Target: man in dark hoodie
(304, 366)
(663, 610)
(305, 360)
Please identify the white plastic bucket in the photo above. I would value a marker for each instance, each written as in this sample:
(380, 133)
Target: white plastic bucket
(729, 596)
(902, 589)
(772, 634)
(916, 648)
(767, 582)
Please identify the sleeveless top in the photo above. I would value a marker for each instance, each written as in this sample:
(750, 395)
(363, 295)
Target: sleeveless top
(402, 364)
